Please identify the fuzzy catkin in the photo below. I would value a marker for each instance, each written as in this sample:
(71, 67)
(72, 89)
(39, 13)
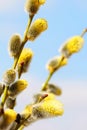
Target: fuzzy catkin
(37, 28)
(32, 6)
(24, 61)
(10, 102)
(51, 88)
(7, 118)
(71, 46)
(55, 63)
(10, 115)
(14, 45)
(9, 76)
(48, 108)
(17, 87)
(27, 111)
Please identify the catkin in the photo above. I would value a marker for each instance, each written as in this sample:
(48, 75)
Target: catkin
(71, 46)
(32, 6)
(14, 45)
(37, 28)
(9, 76)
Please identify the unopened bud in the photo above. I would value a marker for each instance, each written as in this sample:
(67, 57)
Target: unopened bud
(32, 6)
(51, 88)
(37, 28)
(55, 63)
(14, 45)
(10, 102)
(9, 76)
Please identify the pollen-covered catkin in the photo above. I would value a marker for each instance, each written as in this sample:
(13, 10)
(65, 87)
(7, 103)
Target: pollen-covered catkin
(32, 6)
(17, 87)
(48, 108)
(37, 28)
(14, 45)
(71, 46)
(9, 76)
(7, 118)
(24, 61)
(27, 111)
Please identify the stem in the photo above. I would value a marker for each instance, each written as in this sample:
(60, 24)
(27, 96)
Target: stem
(84, 31)
(4, 96)
(21, 127)
(50, 75)
(28, 26)
(23, 42)
(47, 80)
(17, 58)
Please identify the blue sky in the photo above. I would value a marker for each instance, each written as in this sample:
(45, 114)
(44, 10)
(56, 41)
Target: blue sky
(65, 19)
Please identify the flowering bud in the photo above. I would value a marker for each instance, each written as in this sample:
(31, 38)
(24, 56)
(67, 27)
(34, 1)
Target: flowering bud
(10, 115)
(14, 45)
(17, 87)
(7, 118)
(55, 63)
(27, 114)
(71, 46)
(32, 6)
(27, 111)
(51, 88)
(10, 102)
(48, 108)
(24, 61)
(9, 76)
(37, 28)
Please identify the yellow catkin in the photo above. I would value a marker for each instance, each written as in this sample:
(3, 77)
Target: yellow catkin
(37, 28)
(27, 111)
(17, 87)
(24, 61)
(32, 6)
(9, 115)
(56, 63)
(42, 1)
(48, 108)
(71, 46)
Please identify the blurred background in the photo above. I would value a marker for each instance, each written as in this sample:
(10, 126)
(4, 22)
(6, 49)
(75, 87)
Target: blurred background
(65, 19)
